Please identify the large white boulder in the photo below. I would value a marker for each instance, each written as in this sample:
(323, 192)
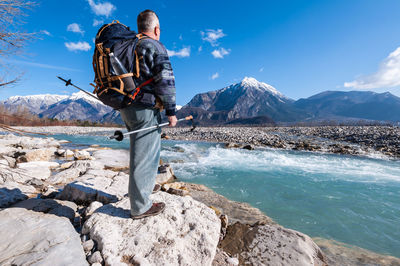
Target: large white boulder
(40, 169)
(116, 160)
(34, 238)
(185, 233)
(96, 186)
(39, 154)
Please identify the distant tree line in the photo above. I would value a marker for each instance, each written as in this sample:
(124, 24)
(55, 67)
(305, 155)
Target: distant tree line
(22, 117)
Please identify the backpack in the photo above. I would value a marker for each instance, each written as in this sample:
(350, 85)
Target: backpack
(116, 65)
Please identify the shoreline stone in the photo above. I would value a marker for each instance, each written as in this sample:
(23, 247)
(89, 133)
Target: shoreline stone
(263, 244)
(38, 238)
(236, 211)
(341, 254)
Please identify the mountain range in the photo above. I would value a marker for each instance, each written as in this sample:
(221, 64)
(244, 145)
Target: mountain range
(78, 106)
(246, 102)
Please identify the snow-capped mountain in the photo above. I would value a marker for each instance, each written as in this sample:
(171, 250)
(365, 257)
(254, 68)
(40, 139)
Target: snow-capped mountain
(246, 99)
(63, 107)
(35, 103)
(246, 102)
(252, 83)
(78, 106)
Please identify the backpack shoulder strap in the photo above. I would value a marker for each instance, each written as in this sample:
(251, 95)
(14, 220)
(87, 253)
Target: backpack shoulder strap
(140, 37)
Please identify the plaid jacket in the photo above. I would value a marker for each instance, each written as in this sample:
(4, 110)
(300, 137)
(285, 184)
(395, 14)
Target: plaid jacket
(154, 63)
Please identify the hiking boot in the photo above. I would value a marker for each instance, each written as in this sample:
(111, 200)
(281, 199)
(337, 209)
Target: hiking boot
(157, 187)
(155, 209)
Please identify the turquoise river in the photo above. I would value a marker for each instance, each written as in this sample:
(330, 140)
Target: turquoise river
(355, 200)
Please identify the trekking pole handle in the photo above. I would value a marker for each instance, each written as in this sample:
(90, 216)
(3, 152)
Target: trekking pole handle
(118, 135)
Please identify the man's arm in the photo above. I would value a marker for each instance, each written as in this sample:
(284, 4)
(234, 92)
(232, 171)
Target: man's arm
(164, 83)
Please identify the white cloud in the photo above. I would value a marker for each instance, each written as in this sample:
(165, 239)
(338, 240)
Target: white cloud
(220, 53)
(200, 49)
(184, 52)
(74, 27)
(97, 22)
(261, 69)
(215, 76)
(77, 46)
(212, 36)
(46, 32)
(102, 9)
(388, 74)
(180, 37)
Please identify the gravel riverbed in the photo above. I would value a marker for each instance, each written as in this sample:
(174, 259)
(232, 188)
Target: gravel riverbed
(375, 141)
(355, 140)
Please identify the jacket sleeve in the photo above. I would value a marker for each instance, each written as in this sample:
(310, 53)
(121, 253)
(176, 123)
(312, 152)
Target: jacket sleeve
(164, 80)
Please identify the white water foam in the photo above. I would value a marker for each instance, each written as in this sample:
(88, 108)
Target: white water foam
(320, 167)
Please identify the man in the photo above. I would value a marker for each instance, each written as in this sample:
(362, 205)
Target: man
(145, 146)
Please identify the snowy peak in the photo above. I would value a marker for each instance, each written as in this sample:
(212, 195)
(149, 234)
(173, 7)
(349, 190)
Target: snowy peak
(81, 95)
(246, 99)
(249, 82)
(39, 97)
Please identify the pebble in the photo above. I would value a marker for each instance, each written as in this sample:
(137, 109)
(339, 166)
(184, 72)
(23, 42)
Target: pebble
(95, 258)
(88, 245)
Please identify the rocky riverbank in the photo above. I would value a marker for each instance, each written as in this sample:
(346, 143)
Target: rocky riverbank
(372, 141)
(70, 207)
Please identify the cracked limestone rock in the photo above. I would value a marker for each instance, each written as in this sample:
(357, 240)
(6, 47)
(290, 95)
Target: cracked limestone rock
(116, 160)
(96, 186)
(82, 155)
(74, 170)
(185, 233)
(39, 154)
(37, 169)
(57, 207)
(34, 238)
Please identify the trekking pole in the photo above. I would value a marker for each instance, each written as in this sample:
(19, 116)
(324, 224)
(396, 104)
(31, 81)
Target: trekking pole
(118, 135)
(68, 82)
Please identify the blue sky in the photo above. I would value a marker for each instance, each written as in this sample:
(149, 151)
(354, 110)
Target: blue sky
(299, 47)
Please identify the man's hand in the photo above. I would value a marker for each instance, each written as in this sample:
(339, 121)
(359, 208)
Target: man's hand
(172, 121)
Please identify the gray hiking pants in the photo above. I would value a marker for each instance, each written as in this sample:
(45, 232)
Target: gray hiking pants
(144, 155)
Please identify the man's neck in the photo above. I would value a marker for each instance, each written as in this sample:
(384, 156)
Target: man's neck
(149, 34)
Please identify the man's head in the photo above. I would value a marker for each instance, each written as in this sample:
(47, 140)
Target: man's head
(148, 23)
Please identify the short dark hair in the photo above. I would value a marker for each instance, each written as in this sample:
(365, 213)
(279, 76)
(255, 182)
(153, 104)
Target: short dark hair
(145, 20)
